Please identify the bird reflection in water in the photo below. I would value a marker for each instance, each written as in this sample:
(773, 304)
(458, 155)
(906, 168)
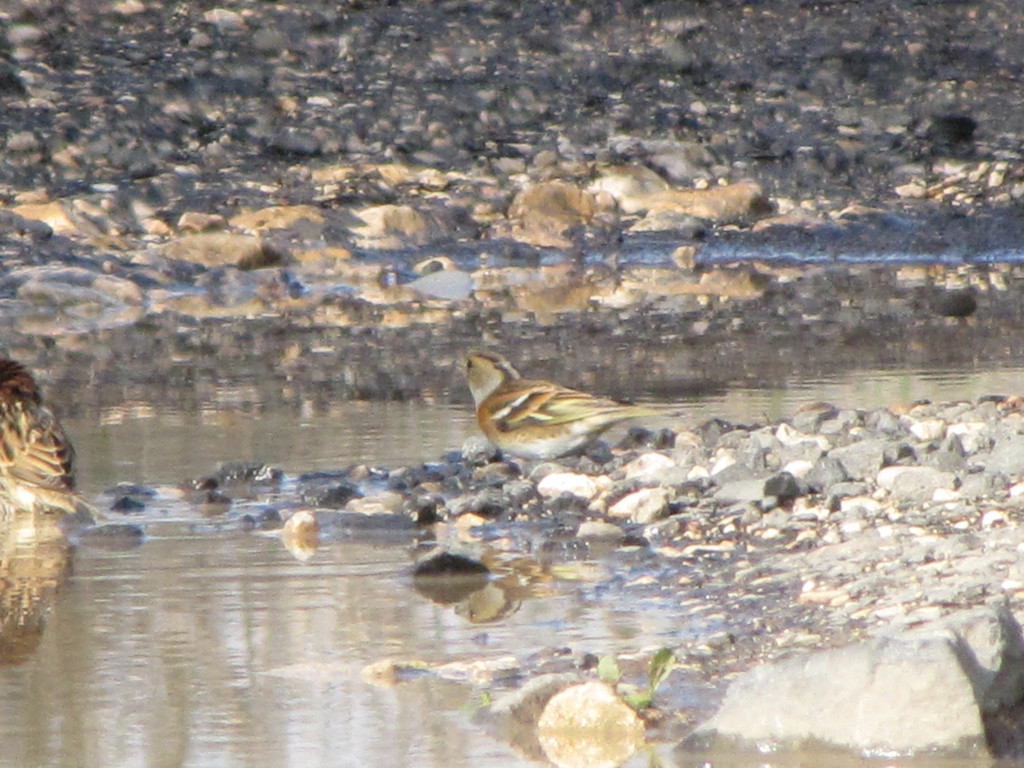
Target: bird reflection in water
(35, 559)
(480, 591)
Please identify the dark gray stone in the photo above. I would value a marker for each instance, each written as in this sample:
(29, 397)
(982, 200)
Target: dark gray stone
(861, 460)
(825, 473)
(884, 420)
(784, 487)
(949, 455)
(810, 419)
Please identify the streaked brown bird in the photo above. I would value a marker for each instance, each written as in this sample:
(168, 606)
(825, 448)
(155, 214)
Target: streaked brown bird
(538, 419)
(36, 457)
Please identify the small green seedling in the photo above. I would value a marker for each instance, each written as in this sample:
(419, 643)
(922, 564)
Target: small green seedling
(661, 666)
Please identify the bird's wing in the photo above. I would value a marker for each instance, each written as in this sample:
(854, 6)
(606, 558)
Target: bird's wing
(532, 403)
(34, 449)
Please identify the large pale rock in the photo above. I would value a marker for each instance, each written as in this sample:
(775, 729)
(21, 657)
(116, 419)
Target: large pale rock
(641, 190)
(589, 726)
(745, 490)
(513, 716)
(906, 693)
(276, 217)
(647, 465)
(56, 214)
(915, 484)
(383, 503)
(662, 219)
(632, 186)
(72, 286)
(396, 226)
(54, 300)
(1007, 453)
(973, 435)
(223, 249)
(542, 214)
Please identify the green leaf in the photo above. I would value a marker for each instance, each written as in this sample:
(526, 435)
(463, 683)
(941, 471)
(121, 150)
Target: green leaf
(608, 670)
(662, 664)
(638, 700)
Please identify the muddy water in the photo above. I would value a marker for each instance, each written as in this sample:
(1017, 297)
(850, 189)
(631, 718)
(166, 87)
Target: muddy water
(210, 646)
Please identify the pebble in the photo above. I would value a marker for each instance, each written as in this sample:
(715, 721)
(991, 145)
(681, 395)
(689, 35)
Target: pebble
(643, 506)
(557, 483)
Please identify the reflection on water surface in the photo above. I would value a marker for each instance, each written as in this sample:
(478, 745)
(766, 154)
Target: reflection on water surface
(221, 649)
(208, 647)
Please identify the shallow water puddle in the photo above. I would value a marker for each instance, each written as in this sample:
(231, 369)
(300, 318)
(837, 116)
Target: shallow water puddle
(221, 649)
(210, 645)
(155, 445)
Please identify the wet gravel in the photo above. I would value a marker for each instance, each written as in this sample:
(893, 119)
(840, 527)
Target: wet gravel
(333, 201)
(831, 526)
(238, 185)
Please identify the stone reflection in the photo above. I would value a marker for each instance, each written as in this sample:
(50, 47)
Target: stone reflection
(35, 559)
(483, 590)
(301, 535)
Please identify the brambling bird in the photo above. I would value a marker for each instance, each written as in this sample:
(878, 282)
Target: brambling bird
(36, 457)
(537, 419)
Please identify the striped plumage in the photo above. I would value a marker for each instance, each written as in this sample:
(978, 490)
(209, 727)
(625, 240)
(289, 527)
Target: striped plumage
(538, 419)
(36, 458)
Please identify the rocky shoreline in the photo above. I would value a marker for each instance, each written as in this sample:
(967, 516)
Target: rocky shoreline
(329, 198)
(338, 168)
(899, 529)
(336, 202)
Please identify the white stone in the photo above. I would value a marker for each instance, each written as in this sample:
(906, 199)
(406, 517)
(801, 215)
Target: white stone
(913, 190)
(698, 473)
(915, 484)
(589, 726)
(447, 284)
(970, 433)
(643, 506)
(646, 465)
(723, 461)
(799, 468)
(558, 483)
(599, 529)
(383, 503)
(928, 429)
(875, 697)
(789, 437)
(992, 518)
(862, 504)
